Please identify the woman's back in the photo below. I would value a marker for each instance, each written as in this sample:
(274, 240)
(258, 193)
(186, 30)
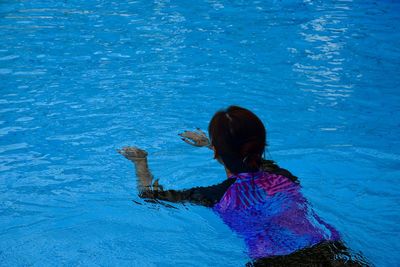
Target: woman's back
(271, 214)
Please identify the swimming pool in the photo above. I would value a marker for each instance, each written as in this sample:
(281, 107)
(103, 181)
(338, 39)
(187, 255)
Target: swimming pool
(82, 78)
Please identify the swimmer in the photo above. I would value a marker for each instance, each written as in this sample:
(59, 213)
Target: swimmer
(259, 201)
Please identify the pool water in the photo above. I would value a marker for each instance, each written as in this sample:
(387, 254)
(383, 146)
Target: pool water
(80, 79)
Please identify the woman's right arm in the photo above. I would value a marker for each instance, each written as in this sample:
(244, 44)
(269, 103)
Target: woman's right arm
(196, 138)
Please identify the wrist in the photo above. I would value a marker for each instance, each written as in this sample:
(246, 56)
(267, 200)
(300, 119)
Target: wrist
(139, 160)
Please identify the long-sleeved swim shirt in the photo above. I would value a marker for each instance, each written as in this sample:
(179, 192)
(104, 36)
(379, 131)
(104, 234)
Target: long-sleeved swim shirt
(266, 208)
(270, 213)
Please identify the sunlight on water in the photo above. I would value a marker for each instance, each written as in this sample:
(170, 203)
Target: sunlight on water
(80, 79)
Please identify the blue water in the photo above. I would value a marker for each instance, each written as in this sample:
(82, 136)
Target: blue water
(79, 79)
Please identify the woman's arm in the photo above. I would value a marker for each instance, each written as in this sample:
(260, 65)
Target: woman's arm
(206, 196)
(196, 138)
(139, 158)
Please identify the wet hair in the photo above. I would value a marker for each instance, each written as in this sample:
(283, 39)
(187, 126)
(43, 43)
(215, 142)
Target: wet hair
(239, 138)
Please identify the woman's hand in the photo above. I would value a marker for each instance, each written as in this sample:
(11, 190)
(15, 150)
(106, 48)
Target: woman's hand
(139, 158)
(133, 153)
(196, 138)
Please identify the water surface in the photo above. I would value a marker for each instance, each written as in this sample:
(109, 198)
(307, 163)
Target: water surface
(82, 78)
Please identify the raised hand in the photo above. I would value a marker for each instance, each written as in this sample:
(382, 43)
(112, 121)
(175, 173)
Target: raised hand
(139, 158)
(132, 153)
(196, 138)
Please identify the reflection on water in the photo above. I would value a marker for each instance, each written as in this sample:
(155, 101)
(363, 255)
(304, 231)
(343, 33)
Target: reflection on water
(325, 73)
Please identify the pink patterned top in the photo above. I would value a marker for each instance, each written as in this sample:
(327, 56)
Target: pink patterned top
(270, 213)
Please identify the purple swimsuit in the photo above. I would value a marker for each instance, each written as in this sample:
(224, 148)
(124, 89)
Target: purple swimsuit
(271, 214)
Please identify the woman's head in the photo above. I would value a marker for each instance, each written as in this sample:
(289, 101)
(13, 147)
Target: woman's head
(239, 138)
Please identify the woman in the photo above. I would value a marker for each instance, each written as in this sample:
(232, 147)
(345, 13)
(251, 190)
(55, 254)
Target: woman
(260, 201)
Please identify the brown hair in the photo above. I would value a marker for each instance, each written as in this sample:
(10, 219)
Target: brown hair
(239, 139)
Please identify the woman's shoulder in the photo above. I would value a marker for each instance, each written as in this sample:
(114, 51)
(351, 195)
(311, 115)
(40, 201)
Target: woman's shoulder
(272, 167)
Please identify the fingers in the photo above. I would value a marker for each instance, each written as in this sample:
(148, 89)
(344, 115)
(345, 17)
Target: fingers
(183, 134)
(196, 132)
(188, 134)
(188, 141)
(160, 188)
(132, 152)
(121, 151)
(155, 185)
(196, 138)
(201, 132)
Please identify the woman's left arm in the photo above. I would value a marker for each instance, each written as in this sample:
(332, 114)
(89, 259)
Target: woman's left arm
(139, 158)
(206, 196)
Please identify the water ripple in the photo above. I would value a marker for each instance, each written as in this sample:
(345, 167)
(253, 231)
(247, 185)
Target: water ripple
(80, 79)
